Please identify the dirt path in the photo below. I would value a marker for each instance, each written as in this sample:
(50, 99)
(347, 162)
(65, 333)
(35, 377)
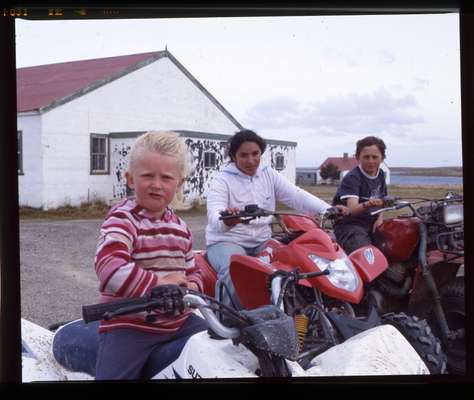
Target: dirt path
(56, 263)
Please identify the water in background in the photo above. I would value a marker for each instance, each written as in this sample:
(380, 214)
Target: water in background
(424, 180)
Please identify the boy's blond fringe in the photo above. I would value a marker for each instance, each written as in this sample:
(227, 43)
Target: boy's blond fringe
(167, 143)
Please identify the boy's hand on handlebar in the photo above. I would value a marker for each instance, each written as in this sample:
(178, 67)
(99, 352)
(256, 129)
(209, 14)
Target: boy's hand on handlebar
(193, 286)
(169, 298)
(374, 203)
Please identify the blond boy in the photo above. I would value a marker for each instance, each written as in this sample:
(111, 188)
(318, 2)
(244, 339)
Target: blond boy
(143, 244)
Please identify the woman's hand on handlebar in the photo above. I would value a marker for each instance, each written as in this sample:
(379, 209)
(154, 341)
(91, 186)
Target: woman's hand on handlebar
(231, 221)
(343, 210)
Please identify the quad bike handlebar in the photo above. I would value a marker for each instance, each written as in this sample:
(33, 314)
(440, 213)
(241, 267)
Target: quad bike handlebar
(168, 299)
(394, 203)
(266, 331)
(423, 213)
(253, 211)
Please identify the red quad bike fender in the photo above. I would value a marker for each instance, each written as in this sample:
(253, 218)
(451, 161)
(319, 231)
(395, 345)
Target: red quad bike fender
(208, 275)
(369, 262)
(398, 238)
(250, 278)
(298, 223)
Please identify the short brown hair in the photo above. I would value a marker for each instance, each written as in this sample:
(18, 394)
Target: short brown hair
(370, 141)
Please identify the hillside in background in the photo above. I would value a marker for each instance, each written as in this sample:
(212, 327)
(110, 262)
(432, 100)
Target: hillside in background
(436, 171)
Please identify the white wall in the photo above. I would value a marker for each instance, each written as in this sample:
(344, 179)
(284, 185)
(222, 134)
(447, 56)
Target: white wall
(289, 154)
(196, 186)
(157, 96)
(30, 183)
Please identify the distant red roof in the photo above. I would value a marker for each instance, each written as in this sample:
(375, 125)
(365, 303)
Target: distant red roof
(42, 85)
(342, 163)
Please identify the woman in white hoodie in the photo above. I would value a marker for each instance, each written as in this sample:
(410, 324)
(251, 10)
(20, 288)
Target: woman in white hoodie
(244, 181)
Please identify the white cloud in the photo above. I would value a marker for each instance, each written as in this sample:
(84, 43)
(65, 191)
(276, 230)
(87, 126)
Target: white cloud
(386, 57)
(378, 112)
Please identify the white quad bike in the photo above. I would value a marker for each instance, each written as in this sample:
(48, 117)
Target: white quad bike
(260, 343)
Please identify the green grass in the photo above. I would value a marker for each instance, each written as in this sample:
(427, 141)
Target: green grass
(92, 210)
(98, 210)
(95, 210)
(327, 192)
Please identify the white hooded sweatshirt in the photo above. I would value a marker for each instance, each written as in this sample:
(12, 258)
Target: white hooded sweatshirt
(232, 188)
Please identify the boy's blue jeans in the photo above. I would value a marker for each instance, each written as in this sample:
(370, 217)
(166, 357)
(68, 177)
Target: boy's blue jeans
(219, 255)
(131, 354)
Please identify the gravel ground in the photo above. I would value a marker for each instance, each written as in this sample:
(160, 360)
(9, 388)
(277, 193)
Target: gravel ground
(57, 266)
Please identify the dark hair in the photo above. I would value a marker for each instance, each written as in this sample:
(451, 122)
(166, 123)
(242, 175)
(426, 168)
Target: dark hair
(242, 136)
(370, 141)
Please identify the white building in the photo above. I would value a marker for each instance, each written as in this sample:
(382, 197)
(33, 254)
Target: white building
(77, 120)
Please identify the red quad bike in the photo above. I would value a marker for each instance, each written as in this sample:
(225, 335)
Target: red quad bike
(425, 276)
(308, 275)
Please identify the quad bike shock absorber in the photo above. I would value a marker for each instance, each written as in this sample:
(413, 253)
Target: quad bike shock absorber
(301, 324)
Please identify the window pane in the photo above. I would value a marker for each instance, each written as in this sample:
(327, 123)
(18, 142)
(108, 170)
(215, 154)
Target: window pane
(102, 145)
(101, 162)
(209, 160)
(94, 162)
(279, 162)
(95, 145)
(99, 153)
(98, 162)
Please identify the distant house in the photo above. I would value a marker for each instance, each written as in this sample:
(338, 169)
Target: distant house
(77, 120)
(306, 176)
(346, 163)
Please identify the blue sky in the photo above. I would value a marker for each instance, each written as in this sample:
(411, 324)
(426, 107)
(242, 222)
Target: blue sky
(321, 81)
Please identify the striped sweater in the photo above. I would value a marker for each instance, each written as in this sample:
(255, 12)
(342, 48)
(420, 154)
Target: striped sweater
(134, 250)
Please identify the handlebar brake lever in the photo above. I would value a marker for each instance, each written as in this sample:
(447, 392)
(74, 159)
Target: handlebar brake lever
(401, 204)
(382, 210)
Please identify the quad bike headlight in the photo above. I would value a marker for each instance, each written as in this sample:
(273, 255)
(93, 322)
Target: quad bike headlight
(342, 273)
(453, 214)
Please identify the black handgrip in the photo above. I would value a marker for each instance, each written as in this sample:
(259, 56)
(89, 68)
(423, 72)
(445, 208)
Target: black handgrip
(224, 213)
(95, 312)
(389, 201)
(332, 213)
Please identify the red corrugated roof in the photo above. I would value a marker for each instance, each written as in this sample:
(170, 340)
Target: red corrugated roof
(41, 85)
(342, 163)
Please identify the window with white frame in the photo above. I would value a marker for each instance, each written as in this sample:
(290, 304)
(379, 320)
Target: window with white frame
(279, 162)
(99, 154)
(19, 137)
(209, 159)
